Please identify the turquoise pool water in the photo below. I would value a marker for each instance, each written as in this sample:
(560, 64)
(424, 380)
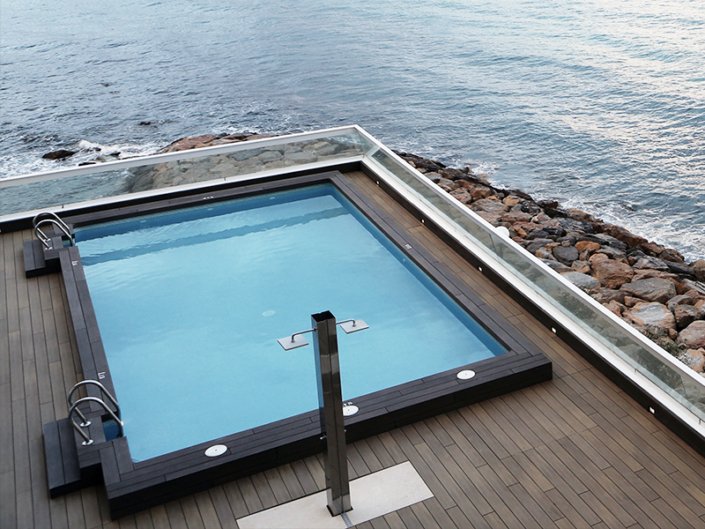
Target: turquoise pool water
(190, 303)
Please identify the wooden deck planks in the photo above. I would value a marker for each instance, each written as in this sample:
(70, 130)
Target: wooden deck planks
(573, 452)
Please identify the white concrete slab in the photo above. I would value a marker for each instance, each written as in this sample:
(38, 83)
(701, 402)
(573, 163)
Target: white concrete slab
(371, 496)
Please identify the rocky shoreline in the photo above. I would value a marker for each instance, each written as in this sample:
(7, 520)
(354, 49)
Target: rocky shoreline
(649, 286)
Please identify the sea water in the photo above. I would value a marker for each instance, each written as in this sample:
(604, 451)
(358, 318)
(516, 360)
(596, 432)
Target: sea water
(598, 104)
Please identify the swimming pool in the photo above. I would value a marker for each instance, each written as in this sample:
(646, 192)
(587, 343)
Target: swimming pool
(190, 303)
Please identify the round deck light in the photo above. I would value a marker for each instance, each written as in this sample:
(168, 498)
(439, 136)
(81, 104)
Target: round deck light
(350, 409)
(216, 450)
(466, 374)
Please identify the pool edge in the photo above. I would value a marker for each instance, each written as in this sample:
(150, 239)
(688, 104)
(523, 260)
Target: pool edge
(134, 486)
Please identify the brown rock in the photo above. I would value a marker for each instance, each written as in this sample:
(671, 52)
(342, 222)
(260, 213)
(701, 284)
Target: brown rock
(581, 266)
(685, 315)
(700, 304)
(579, 214)
(680, 299)
(629, 301)
(649, 315)
(687, 285)
(449, 185)
(699, 269)
(190, 142)
(587, 246)
(488, 205)
(652, 263)
(518, 231)
(605, 295)
(652, 248)
(615, 307)
(652, 289)
(614, 253)
(516, 216)
(694, 359)
(623, 234)
(462, 195)
(612, 274)
(647, 273)
(598, 257)
(541, 218)
(480, 191)
(693, 336)
(511, 200)
(492, 218)
(670, 254)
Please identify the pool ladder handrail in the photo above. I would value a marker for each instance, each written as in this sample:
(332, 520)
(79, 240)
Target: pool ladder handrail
(50, 218)
(73, 408)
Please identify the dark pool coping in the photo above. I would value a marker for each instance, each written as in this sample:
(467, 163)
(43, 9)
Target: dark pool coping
(131, 486)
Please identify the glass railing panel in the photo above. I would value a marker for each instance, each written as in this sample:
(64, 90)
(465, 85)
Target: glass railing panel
(249, 161)
(675, 380)
(90, 183)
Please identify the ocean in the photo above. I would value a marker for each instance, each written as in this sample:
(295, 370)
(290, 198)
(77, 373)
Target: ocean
(599, 104)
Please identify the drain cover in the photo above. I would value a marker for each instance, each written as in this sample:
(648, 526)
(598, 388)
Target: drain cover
(216, 450)
(466, 374)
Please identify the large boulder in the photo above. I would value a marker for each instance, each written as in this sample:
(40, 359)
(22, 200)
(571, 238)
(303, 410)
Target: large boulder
(693, 336)
(652, 289)
(648, 315)
(611, 273)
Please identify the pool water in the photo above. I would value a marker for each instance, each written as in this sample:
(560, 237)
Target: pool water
(190, 303)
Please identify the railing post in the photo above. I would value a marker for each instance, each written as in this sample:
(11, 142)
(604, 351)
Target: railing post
(330, 401)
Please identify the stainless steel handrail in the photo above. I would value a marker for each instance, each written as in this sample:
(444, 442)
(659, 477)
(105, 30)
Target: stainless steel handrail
(79, 428)
(104, 392)
(49, 217)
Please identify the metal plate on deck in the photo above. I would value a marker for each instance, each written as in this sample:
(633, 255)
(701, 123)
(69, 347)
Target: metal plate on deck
(353, 326)
(289, 342)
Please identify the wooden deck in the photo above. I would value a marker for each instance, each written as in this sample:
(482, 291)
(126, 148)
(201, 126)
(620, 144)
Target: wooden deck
(573, 452)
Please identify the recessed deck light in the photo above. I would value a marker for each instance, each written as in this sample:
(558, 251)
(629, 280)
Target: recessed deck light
(466, 374)
(350, 409)
(216, 450)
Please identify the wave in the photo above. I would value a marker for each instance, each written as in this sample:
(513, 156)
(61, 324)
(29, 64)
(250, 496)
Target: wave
(26, 162)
